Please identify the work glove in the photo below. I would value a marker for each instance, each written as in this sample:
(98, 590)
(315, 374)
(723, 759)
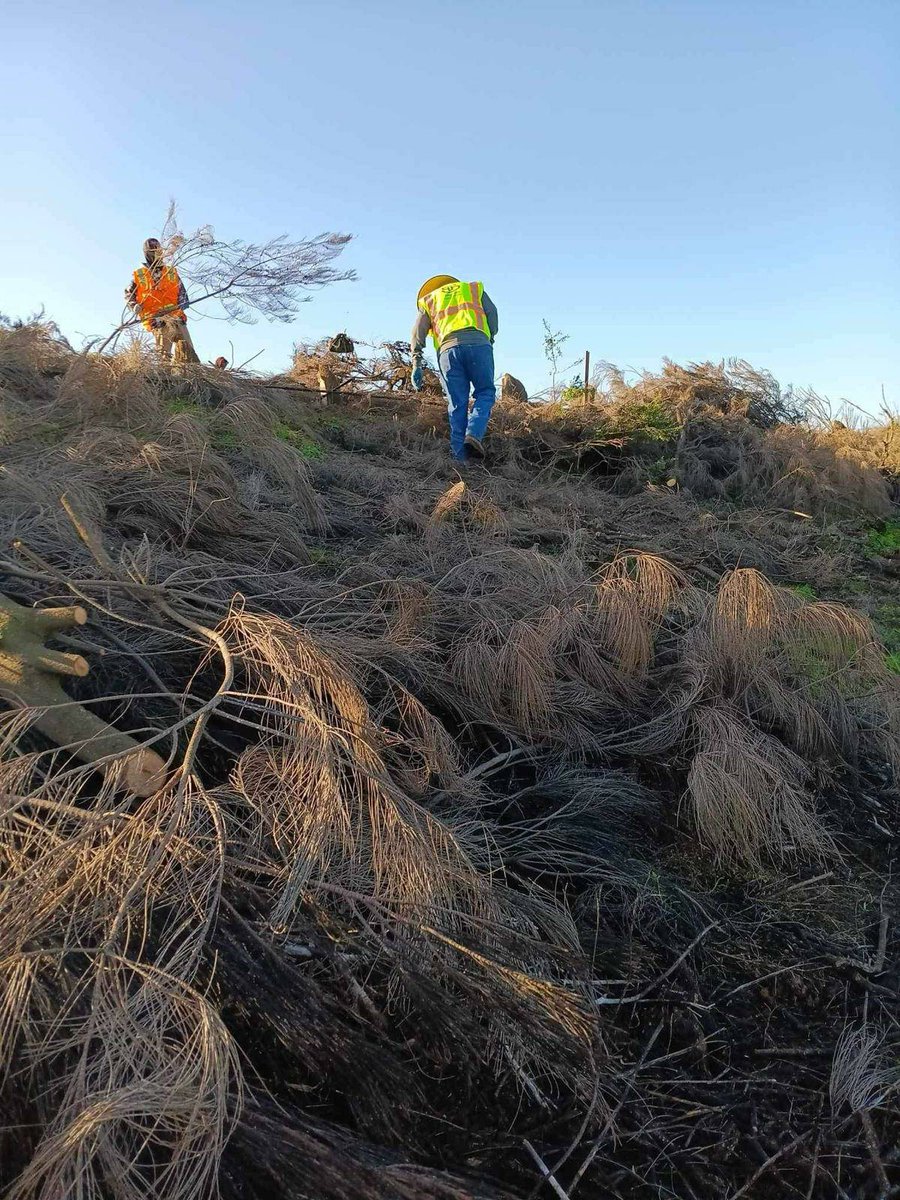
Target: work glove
(417, 379)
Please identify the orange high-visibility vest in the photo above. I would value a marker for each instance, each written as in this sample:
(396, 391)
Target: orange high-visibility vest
(152, 296)
(453, 307)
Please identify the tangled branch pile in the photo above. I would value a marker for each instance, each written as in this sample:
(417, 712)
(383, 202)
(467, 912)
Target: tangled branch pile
(510, 826)
(724, 432)
(336, 367)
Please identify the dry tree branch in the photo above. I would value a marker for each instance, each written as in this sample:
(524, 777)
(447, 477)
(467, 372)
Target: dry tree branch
(248, 279)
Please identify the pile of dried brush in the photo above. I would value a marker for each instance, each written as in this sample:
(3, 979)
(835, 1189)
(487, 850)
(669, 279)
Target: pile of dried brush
(720, 431)
(334, 367)
(518, 838)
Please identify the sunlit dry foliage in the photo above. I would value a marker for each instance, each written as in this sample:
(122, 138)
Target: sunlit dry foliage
(465, 784)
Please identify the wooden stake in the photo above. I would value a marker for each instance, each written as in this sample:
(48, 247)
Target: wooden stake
(587, 376)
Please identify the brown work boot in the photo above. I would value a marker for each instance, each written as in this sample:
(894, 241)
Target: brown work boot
(475, 447)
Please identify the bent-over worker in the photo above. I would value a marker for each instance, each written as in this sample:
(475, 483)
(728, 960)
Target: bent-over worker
(463, 323)
(159, 298)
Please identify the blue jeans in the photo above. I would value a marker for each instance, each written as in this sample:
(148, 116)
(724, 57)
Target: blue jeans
(462, 367)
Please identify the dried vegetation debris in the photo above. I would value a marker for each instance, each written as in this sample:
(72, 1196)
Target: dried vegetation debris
(514, 825)
(721, 431)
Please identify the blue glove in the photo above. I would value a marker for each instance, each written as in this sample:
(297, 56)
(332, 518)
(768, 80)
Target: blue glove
(417, 379)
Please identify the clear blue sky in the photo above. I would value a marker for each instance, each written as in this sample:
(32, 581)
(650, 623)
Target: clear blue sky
(683, 178)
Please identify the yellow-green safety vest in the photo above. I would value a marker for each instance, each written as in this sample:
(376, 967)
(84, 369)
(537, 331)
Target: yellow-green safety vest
(453, 307)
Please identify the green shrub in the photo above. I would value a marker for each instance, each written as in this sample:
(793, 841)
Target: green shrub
(887, 622)
(885, 539)
(661, 470)
(225, 439)
(183, 404)
(296, 438)
(573, 395)
(49, 432)
(648, 420)
(802, 589)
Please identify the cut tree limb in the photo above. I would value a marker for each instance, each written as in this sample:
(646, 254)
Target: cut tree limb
(30, 678)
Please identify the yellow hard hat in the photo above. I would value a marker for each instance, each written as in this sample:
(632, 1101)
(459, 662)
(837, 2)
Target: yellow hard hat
(435, 282)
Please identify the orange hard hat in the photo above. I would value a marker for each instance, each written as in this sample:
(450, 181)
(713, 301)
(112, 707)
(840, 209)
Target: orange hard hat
(435, 282)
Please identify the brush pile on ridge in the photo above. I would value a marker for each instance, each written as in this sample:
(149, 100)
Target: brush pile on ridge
(519, 834)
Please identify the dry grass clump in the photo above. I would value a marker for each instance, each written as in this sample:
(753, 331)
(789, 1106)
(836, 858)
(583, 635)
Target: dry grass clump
(119, 1047)
(344, 828)
(105, 391)
(340, 815)
(863, 1075)
(467, 816)
(635, 593)
(748, 795)
(466, 507)
(812, 675)
(793, 467)
(32, 355)
(733, 388)
(745, 619)
(741, 437)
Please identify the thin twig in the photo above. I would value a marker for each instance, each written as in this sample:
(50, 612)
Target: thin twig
(545, 1171)
(884, 1184)
(770, 1162)
(610, 1120)
(791, 1052)
(607, 1000)
(876, 966)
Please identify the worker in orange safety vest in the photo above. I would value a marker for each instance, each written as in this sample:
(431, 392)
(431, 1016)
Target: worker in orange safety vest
(158, 297)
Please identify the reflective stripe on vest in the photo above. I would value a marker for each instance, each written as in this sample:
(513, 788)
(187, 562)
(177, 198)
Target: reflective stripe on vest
(453, 307)
(151, 297)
